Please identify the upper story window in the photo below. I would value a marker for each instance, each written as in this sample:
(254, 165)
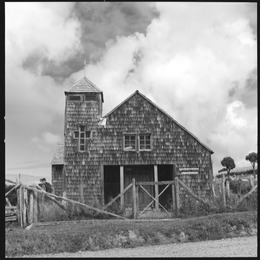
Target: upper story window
(130, 142)
(134, 142)
(82, 135)
(91, 97)
(75, 98)
(145, 142)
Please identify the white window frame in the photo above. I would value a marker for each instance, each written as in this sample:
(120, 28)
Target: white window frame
(129, 148)
(82, 136)
(145, 136)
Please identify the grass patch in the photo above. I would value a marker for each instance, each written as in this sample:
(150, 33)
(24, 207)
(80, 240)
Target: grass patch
(103, 234)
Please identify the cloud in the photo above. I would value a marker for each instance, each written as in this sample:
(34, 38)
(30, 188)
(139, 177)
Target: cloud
(197, 62)
(100, 23)
(42, 29)
(46, 141)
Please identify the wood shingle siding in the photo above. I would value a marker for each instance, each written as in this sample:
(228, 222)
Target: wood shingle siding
(171, 144)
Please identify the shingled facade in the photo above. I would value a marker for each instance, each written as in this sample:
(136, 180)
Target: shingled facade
(137, 139)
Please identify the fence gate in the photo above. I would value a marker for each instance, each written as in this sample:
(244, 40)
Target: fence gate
(155, 198)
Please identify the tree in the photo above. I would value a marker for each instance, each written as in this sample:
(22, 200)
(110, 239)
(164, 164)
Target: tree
(252, 158)
(229, 164)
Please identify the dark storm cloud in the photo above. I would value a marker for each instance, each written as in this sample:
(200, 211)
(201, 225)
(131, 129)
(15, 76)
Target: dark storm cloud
(100, 22)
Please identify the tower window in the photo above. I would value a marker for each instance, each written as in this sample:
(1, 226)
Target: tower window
(75, 98)
(91, 97)
(82, 135)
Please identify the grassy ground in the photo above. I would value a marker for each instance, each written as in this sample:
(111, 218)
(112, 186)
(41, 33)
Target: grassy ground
(103, 234)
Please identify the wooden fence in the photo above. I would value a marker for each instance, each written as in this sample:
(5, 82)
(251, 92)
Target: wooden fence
(27, 210)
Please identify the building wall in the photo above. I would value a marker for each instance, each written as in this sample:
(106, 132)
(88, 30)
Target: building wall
(57, 179)
(171, 145)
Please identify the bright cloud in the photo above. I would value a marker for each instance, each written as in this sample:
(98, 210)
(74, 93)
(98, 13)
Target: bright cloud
(197, 61)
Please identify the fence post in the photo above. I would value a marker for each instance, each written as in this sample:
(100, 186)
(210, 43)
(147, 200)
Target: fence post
(177, 197)
(25, 207)
(223, 191)
(137, 200)
(228, 189)
(18, 205)
(35, 206)
(30, 217)
(173, 199)
(134, 199)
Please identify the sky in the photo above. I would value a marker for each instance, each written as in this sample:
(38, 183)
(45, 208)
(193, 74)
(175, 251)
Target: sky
(197, 61)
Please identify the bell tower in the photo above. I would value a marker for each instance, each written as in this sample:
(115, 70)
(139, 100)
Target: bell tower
(83, 110)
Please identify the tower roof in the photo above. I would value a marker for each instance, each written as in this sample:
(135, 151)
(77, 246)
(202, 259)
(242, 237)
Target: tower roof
(84, 85)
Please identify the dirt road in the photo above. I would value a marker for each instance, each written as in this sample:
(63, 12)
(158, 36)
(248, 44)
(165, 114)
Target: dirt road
(233, 247)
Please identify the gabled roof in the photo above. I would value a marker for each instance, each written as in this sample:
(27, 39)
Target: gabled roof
(84, 85)
(58, 158)
(147, 99)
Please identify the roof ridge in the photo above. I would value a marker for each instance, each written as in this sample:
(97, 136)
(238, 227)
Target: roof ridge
(160, 109)
(88, 81)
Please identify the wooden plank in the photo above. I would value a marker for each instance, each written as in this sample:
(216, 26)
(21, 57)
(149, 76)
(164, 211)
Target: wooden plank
(75, 202)
(154, 199)
(177, 196)
(137, 200)
(122, 198)
(18, 206)
(10, 181)
(134, 199)
(154, 183)
(187, 189)
(15, 187)
(228, 189)
(30, 216)
(8, 202)
(249, 193)
(223, 191)
(118, 196)
(173, 199)
(35, 206)
(24, 207)
(21, 205)
(156, 187)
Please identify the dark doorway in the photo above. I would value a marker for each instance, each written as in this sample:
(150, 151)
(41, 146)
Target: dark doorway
(165, 173)
(111, 182)
(140, 173)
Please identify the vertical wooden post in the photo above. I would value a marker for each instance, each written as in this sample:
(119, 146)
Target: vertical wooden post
(81, 187)
(30, 217)
(228, 189)
(156, 188)
(122, 186)
(134, 200)
(25, 207)
(177, 197)
(223, 190)
(137, 200)
(35, 206)
(19, 205)
(63, 202)
(173, 199)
